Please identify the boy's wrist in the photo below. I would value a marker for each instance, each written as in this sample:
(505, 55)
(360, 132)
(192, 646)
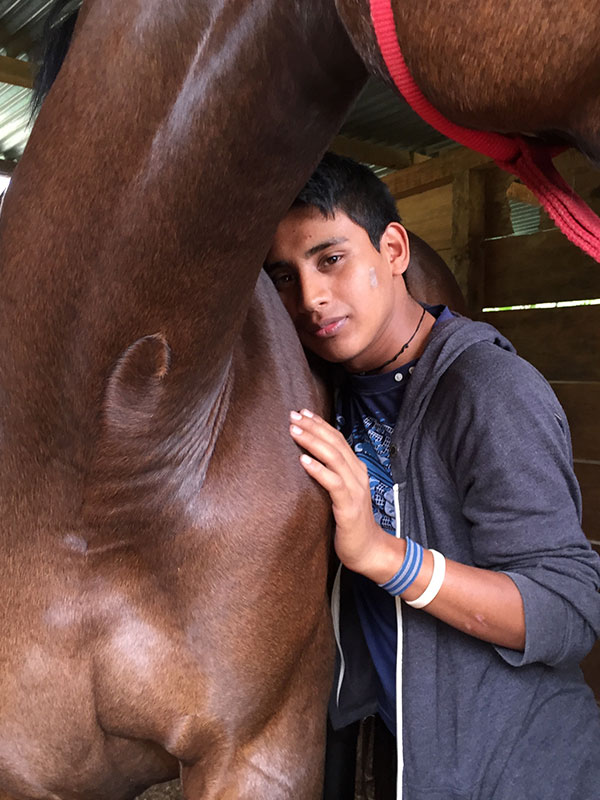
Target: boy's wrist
(384, 558)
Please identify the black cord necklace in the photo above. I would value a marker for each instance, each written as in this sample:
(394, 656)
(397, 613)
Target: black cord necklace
(399, 353)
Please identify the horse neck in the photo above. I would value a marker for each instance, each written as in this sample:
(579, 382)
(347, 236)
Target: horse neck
(179, 155)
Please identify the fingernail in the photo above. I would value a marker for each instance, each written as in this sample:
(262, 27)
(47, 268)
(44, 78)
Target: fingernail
(295, 429)
(307, 413)
(305, 459)
(295, 415)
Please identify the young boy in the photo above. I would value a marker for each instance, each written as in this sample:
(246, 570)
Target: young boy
(452, 488)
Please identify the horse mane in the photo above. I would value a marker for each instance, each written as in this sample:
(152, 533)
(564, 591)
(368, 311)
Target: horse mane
(53, 46)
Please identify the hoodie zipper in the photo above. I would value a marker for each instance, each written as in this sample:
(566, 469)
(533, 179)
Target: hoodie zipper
(335, 613)
(399, 643)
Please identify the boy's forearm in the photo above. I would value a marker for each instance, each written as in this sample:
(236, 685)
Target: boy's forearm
(481, 602)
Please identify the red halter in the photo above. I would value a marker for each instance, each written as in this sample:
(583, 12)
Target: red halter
(529, 160)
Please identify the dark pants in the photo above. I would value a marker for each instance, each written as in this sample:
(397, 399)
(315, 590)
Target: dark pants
(360, 762)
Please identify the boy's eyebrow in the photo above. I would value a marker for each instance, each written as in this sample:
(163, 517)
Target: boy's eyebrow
(317, 248)
(324, 245)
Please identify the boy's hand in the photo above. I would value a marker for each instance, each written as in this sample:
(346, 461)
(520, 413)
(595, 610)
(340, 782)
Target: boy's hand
(360, 543)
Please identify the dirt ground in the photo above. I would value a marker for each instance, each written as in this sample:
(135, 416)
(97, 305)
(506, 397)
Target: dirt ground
(163, 791)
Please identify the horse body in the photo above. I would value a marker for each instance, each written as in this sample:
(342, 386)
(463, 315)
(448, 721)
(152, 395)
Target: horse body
(163, 553)
(499, 66)
(198, 640)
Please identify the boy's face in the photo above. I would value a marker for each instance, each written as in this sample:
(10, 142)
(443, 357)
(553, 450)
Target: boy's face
(340, 291)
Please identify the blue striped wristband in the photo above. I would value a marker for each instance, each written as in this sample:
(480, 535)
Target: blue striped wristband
(408, 571)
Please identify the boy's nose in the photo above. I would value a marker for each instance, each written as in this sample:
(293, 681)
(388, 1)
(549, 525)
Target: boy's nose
(314, 291)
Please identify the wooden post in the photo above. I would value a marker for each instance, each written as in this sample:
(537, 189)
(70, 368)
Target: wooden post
(468, 230)
(15, 72)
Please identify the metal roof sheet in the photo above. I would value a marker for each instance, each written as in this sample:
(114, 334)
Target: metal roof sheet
(14, 120)
(379, 115)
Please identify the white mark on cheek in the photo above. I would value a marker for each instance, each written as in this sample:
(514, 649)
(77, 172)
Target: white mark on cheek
(372, 278)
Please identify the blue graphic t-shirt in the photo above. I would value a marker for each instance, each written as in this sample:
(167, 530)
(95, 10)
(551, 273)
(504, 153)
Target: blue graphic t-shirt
(366, 413)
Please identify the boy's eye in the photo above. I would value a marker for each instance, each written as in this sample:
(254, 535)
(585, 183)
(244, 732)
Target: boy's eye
(281, 279)
(333, 259)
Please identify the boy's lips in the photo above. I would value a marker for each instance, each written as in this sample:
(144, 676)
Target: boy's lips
(328, 327)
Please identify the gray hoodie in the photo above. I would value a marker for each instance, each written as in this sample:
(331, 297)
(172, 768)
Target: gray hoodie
(481, 454)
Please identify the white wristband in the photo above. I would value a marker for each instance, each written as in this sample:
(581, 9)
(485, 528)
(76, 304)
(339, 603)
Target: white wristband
(435, 584)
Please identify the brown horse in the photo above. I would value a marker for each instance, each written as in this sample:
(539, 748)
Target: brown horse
(163, 555)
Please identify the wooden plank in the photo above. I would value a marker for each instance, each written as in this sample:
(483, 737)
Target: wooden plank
(581, 402)
(588, 475)
(370, 153)
(15, 72)
(429, 215)
(468, 227)
(434, 173)
(563, 343)
(540, 268)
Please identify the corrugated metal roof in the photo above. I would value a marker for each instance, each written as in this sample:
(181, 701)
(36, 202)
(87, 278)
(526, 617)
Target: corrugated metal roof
(524, 218)
(382, 117)
(14, 120)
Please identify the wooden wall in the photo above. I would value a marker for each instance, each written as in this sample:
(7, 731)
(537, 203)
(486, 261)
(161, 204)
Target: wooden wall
(458, 202)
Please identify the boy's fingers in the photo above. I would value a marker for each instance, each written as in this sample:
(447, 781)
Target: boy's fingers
(329, 480)
(323, 431)
(326, 452)
(316, 424)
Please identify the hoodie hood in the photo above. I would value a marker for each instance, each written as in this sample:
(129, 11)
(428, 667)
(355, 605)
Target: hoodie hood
(447, 341)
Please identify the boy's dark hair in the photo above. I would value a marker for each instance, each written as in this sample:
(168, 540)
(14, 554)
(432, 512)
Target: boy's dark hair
(341, 183)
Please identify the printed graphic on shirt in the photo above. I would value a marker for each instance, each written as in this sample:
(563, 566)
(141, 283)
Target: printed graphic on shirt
(371, 443)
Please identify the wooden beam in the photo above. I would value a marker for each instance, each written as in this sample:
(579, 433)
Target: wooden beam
(435, 172)
(369, 153)
(15, 72)
(468, 231)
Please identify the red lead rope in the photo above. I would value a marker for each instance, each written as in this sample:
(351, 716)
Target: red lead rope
(529, 160)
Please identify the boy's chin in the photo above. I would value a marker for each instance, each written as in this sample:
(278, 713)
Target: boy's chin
(332, 356)
(341, 354)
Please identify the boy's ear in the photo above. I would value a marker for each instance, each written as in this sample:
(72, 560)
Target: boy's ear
(394, 245)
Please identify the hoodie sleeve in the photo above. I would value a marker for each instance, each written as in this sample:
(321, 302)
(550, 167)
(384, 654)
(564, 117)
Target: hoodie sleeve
(509, 453)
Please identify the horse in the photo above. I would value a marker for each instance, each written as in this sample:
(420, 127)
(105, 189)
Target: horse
(163, 555)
